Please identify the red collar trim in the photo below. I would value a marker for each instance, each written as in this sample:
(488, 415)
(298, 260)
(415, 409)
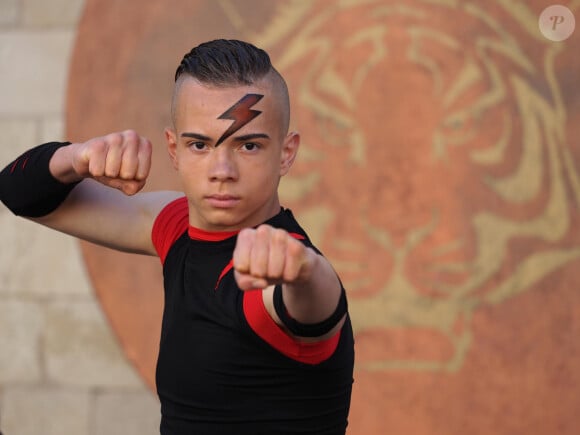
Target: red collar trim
(209, 236)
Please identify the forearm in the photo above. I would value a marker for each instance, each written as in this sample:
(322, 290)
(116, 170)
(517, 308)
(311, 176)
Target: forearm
(28, 186)
(61, 165)
(313, 297)
(302, 290)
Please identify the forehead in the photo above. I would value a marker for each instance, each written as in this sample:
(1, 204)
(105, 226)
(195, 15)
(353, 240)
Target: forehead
(196, 102)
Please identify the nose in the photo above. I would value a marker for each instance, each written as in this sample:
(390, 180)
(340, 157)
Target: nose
(223, 166)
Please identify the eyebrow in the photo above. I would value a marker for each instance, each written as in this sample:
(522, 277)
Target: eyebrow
(241, 138)
(196, 136)
(251, 136)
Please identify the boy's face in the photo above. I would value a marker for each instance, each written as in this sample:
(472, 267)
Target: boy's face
(229, 150)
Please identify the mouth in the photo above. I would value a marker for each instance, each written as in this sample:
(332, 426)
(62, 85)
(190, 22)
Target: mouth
(222, 201)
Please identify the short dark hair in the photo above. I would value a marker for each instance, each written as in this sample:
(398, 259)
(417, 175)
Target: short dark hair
(225, 62)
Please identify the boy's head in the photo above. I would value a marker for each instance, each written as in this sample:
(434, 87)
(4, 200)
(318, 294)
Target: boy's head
(230, 142)
(230, 63)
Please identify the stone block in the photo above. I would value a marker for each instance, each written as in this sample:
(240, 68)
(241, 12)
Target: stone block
(80, 349)
(39, 261)
(46, 411)
(33, 71)
(18, 135)
(127, 413)
(41, 13)
(9, 11)
(52, 129)
(21, 326)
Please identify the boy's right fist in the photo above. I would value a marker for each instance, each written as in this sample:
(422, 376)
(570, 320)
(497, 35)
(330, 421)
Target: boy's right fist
(119, 160)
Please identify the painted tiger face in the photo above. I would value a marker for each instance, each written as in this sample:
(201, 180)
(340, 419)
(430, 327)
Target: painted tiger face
(435, 172)
(438, 170)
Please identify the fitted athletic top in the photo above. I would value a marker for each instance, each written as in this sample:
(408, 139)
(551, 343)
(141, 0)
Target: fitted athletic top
(224, 366)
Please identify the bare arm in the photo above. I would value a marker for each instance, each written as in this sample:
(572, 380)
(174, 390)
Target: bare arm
(105, 207)
(108, 217)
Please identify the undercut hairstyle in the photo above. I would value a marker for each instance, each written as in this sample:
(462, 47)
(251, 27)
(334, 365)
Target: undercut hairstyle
(225, 62)
(230, 62)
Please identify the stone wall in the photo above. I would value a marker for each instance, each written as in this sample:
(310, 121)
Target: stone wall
(61, 368)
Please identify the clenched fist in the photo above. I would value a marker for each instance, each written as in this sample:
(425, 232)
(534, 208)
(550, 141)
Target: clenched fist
(267, 255)
(118, 160)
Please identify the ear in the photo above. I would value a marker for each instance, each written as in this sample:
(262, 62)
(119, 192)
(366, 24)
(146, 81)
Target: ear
(289, 151)
(171, 138)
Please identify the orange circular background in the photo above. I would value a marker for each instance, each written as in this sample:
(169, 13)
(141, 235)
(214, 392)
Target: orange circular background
(437, 172)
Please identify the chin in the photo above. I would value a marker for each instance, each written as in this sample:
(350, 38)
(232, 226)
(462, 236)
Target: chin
(223, 220)
(234, 218)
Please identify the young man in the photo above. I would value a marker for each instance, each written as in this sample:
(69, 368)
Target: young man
(255, 337)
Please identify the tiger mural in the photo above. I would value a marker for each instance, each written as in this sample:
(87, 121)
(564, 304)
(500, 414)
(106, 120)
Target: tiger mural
(439, 172)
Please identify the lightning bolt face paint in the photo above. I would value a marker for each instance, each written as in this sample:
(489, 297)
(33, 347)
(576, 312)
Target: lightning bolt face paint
(241, 114)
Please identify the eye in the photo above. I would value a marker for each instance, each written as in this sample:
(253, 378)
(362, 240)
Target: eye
(250, 146)
(197, 145)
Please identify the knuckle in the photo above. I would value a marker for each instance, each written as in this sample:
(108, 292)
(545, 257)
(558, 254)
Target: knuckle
(126, 174)
(295, 248)
(110, 173)
(246, 234)
(263, 230)
(130, 135)
(145, 145)
(94, 147)
(279, 236)
(113, 139)
(141, 175)
(111, 169)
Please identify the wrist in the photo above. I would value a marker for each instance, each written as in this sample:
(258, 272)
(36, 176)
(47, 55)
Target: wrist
(310, 264)
(61, 165)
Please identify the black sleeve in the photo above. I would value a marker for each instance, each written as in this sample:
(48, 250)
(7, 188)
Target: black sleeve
(28, 188)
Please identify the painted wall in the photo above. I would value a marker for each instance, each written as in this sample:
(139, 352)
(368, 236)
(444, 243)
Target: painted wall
(440, 172)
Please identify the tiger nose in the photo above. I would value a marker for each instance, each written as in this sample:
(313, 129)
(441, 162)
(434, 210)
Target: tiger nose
(405, 203)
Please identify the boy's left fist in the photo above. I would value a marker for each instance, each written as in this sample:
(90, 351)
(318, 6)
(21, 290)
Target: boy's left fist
(267, 255)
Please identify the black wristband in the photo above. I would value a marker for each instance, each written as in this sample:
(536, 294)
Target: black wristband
(309, 330)
(28, 188)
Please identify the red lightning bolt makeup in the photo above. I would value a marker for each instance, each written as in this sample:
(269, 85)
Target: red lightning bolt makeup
(241, 114)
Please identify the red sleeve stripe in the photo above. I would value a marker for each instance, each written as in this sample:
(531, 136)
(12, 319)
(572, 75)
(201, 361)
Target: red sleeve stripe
(264, 326)
(297, 236)
(228, 267)
(169, 225)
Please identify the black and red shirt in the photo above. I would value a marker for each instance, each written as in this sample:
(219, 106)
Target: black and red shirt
(225, 366)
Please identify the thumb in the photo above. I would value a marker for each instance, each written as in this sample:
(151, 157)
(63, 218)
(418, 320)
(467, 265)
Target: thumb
(128, 187)
(246, 281)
